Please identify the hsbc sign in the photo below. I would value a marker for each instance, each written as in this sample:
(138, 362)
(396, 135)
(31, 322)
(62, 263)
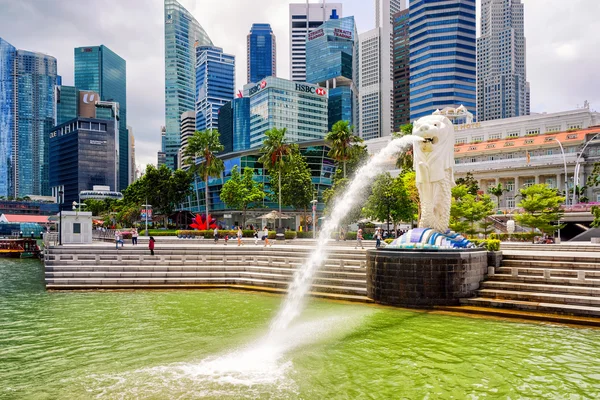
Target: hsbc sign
(310, 89)
(260, 86)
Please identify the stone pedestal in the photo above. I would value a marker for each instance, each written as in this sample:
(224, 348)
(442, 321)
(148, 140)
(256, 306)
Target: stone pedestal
(424, 278)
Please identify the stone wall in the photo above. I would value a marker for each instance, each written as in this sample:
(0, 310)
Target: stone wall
(424, 278)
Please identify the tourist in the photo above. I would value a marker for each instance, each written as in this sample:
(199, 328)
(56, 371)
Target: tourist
(134, 236)
(118, 239)
(377, 238)
(266, 236)
(359, 238)
(216, 234)
(151, 245)
(226, 238)
(240, 234)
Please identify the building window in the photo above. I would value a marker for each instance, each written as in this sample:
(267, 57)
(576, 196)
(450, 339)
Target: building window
(513, 134)
(574, 126)
(477, 139)
(532, 131)
(460, 141)
(529, 182)
(77, 228)
(555, 128)
(529, 141)
(551, 182)
(510, 202)
(549, 152)
(495, 136)
(510, 186)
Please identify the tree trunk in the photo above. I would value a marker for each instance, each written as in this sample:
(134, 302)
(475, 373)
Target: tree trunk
(305, 221)
(279, 197)
(244, 218)
(197, 194)
(206, 198)
(344, 168)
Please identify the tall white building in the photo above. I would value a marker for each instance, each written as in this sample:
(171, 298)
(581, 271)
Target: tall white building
(304, 18)
(131, 156)
(502, 87)
(377, 71)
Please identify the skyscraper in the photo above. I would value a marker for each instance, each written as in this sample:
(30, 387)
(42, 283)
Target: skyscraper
(370, 87)
(262, 53)
(101, 70)
(401, 70)
(234, 125)
(502, 87)
(188, 127)
(182, 34)
(215, 84)
(442, 56)
(332, 62)
(27, 108)
(304, 18)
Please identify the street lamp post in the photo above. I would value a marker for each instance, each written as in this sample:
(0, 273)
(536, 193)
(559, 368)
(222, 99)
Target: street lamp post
(562, 150)
(60, 200)
(577, 165)
(146, 207)
(314, 217)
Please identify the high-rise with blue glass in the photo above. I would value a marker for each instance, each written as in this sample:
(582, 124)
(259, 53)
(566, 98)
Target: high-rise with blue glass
(215, 85)
(262, 53)
(99, 69)
(332, 62)
(182, 34)
(443, 56)
(234, 125)
(27, 108)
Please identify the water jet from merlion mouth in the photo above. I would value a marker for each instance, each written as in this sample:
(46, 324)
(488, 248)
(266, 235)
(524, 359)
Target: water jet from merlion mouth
(303, 277)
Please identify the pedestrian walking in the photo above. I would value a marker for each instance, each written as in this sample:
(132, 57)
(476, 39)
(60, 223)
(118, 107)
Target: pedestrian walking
(359, 239)
(255, 235)
(266, 236)
(151, 245)
(240, 234)
(216, 234)
(118, 239)
(377, 238)
(134, 236)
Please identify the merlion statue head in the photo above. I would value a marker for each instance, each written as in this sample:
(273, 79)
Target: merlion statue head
(437, 133)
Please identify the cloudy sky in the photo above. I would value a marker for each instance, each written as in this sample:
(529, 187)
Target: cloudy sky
(563, 43)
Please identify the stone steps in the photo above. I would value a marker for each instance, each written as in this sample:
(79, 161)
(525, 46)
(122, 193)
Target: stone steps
(555, 279)
(540, 297)
(539, 288)
(544, 307)
(572, 257)
(541, 264)
(549, 247)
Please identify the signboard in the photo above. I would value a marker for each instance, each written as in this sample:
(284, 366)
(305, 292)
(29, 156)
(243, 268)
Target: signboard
(98, 142)
(258, 87)
(462, 127)
(143, 213)
(87, 104)
(300, 87)
(316, 34)
(342, 33)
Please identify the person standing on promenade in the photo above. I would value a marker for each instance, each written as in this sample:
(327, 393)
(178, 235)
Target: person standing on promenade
(151, 245)
(377, 237)
(118, 239)
(266, 236)
(255, 237)
(134, 236)
(240, 234)
(359, 238)
(216, 234)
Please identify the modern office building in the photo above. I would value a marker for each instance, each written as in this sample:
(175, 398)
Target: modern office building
(502, 87)
(188, 127)
(300, 108)
(332, 62)
(27, 112)
(234, 125)
(99, 69)
(369, 85)
(262, 52)
(215, 84)
(322, 171)
(182, 34)
(67, 103)
(131, 156)
(401, 53)
(304, 18)
(442, 56)
(82, 155)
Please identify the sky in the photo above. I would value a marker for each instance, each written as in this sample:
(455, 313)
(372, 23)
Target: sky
(563, 44)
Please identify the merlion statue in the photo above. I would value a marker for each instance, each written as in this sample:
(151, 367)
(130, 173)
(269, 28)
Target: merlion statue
(433, 164)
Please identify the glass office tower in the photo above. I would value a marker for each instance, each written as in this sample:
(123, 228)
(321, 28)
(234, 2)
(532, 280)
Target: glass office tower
(443, 69)
(8, 54)
(401, 52)
(332, 62)
(215, 85)
(234, 125)
(182, 34)
(67, 104)
(101, 70)
(262, 53)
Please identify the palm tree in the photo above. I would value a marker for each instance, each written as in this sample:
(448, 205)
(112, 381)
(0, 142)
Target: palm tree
(343, 143)
(497, 191)
(405, 159)
(275, 152)
(205, 145)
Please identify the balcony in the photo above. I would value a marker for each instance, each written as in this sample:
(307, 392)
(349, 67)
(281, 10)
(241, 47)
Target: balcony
(514, 163)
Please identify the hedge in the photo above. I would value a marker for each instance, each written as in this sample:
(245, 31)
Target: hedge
(489, 244)
(209, 234)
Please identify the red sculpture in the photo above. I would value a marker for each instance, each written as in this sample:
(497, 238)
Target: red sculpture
(202, 223)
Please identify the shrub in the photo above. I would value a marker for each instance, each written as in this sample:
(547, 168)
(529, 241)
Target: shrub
(350, 235)
(488, 244)
(161, 232)
(289, 235)
(304, 235)
(388, 241)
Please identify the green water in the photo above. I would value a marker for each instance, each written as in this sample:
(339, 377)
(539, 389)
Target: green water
(190, 344)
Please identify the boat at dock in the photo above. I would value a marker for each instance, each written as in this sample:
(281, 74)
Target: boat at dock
(19, 248)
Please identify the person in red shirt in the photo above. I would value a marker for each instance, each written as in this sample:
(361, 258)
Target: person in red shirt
(151, 245)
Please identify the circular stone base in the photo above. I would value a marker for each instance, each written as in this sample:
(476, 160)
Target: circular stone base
(424, 278)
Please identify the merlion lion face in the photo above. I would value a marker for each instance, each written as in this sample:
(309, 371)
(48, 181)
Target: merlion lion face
(437, 132)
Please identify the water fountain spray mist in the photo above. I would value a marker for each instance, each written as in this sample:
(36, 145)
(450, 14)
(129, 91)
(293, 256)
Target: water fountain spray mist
(302, 281)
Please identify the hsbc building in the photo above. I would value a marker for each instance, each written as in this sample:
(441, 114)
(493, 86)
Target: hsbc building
(299, 107)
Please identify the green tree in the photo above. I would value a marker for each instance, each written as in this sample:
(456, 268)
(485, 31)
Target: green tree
(96, 207)
(343, 143)
(389, 200)
(242, 191)
(468, 211)
(409, 179)
(470, 183)
(497, 191)
(405, 159)
(205, 145)
(541, 207)
(276, 152)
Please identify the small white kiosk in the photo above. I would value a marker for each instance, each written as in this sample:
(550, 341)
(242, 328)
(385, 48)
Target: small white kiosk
(76, 227)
